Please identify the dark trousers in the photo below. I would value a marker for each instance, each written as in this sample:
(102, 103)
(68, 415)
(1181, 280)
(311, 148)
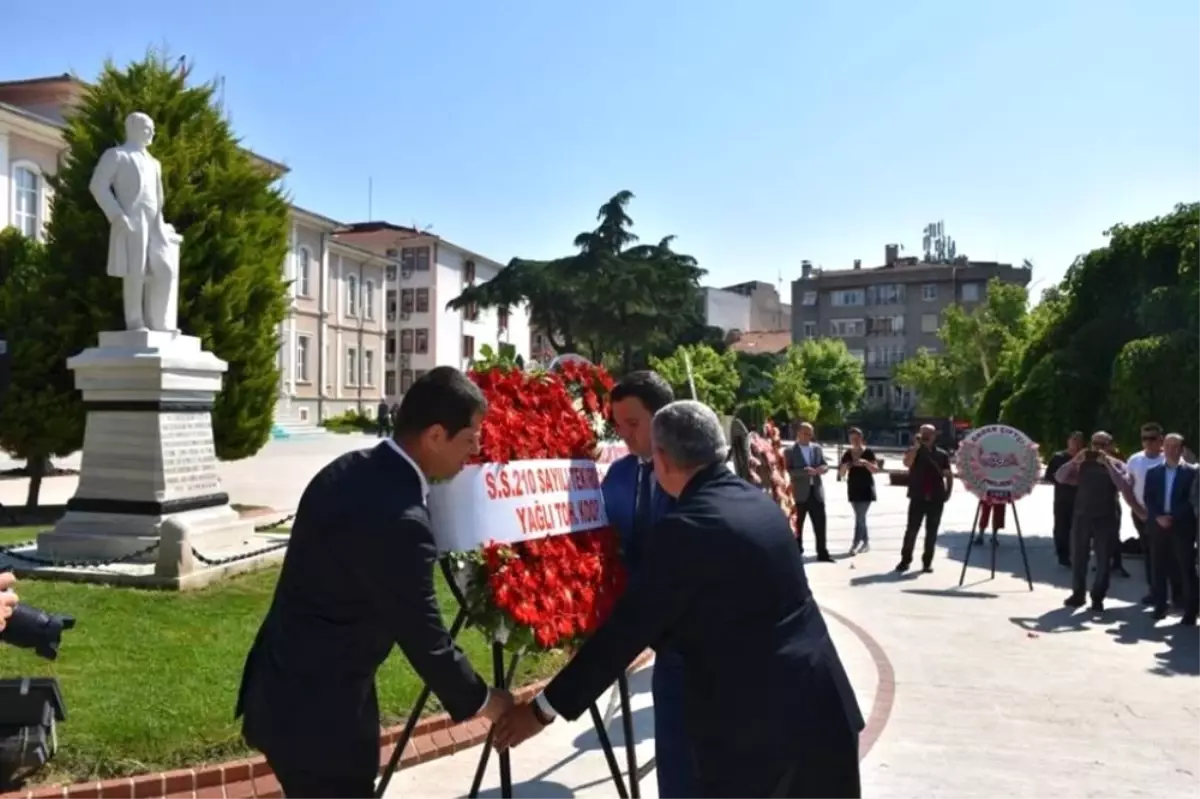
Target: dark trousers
(1063, 512)
(297, 784)
(674, 762)
(929, 512)
(812, 509)
(1092, 535)
(1174, 556)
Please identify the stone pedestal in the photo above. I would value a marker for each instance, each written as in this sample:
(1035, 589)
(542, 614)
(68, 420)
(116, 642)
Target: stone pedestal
(148, 452)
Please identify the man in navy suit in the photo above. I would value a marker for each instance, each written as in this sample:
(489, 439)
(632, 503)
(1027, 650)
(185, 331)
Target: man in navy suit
(769, 708)
(634, 502)
(356, 582)
(1171, 529)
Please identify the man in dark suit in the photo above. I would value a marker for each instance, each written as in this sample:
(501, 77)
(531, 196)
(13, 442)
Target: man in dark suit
(356, 581)
(1171, 529)
(806, 464)
(634, 502)
(930, 482)
(770, 710)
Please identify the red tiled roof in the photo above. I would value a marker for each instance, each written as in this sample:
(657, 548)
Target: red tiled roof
(759, 341)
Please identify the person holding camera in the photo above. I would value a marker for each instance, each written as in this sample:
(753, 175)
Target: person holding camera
(8, 597)
(930, 483)
(858, 467)
(1099, 479)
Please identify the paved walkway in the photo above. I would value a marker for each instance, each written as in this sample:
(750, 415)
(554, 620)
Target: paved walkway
(998, 691)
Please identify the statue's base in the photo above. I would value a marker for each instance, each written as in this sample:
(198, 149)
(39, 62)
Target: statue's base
(148, 457)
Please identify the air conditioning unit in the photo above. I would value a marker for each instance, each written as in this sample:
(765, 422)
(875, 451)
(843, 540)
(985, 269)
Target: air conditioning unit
(405, 274)
(390, 357)
(391, 317)
(405, 359)
(405, 315)
(391, 273)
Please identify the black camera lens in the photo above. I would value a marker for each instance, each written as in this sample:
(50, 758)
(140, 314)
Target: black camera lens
(32, 628)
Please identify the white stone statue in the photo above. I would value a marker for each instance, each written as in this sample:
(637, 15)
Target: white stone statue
(143, 250)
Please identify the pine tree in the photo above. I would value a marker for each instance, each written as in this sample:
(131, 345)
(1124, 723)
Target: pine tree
(234, 219)
(36, 420)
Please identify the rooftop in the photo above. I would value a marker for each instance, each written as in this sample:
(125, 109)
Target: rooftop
(753, 342)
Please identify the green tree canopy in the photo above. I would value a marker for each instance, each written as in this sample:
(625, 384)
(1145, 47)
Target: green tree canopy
(715, 375)
(234, 220)
(791, 393)
(613, 296)
(833, 376)
(1116, 345)
(36, 421)
(976, 348)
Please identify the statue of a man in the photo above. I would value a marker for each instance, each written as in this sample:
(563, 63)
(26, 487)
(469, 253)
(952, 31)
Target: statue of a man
(143, 249)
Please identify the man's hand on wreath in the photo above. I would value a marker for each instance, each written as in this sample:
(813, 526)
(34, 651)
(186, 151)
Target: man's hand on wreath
(516, 726)
(499, 702)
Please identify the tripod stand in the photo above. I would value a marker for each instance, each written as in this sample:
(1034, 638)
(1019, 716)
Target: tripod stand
(975, 528)
(502, 678)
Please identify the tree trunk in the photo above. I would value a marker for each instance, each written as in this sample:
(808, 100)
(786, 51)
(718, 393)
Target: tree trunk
(37, 466)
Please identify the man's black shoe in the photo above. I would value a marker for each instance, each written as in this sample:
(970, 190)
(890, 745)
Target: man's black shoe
(1189, 620)
(1097, 606)
(825, 557)
(1148, 599)
(1158, 614)
(927, 568)
(1064, 562)
(1074, 601)
(902, 567)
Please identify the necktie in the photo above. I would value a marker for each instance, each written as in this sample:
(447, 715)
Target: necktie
(642, 520)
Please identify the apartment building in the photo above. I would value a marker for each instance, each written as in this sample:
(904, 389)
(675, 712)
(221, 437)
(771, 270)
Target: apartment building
(767, 310)
(427, 272)
(886, 313)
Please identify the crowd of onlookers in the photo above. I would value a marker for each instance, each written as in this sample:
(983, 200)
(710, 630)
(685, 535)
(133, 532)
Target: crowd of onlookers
(1159, 485)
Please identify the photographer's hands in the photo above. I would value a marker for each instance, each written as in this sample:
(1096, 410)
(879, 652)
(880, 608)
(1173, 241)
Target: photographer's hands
(8, 598)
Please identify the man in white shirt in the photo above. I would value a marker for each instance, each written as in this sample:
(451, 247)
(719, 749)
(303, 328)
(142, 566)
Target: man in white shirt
(1138, 465)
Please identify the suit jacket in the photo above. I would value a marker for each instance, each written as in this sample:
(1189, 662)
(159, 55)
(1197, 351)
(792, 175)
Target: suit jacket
(620, 502)
(804, 487)
(128, 182)
(722, 584)
(1182, 511)
(357, 580)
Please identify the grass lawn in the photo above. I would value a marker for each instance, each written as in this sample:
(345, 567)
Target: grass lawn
(150, 677)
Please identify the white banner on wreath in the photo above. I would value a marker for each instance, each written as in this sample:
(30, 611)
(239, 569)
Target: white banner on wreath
(516, 501)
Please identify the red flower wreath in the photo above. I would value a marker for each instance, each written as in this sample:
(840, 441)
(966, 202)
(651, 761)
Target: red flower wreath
(553, 591)
(768, 470)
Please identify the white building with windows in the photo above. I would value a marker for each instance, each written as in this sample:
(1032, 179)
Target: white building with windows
(425, 273)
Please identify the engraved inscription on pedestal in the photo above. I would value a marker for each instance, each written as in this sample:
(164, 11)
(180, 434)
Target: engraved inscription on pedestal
(189, 458)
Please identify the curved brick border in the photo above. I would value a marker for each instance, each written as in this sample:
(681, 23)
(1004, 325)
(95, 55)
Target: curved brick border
(251, 778)
(885, 685)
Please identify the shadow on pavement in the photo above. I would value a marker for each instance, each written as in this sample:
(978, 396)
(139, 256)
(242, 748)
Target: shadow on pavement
(1044, 567)
(891, 576)
(961, 593)
(535, 789)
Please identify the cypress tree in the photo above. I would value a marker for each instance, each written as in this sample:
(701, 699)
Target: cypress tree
(233, 216)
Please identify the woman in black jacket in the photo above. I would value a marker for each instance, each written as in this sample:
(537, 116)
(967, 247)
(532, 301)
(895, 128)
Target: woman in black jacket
(858, 468)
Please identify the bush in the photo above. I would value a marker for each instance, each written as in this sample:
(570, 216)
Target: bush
(352, 421)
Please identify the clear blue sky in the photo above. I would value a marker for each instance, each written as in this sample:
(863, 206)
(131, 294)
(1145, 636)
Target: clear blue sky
(760, 133)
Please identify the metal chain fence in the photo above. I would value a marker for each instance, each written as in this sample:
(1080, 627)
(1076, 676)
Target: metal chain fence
(11, 553)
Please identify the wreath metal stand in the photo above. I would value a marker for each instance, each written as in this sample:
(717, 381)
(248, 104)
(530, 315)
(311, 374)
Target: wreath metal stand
(502, 678)
(1020, 540)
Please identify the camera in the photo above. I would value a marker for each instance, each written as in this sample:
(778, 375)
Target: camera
(32, 628)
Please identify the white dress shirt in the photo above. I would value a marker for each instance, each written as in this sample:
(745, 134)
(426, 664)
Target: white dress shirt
(1138, 465)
